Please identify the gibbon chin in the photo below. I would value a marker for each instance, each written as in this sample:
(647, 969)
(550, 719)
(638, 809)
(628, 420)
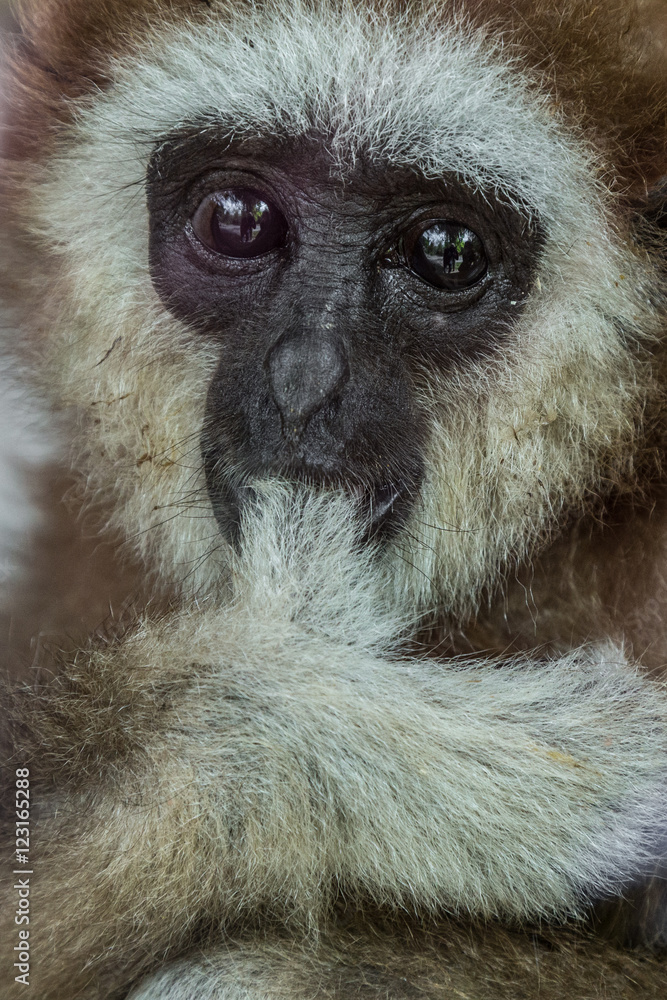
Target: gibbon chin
(335, 662)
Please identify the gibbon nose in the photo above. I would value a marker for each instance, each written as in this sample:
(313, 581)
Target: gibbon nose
(306, 371)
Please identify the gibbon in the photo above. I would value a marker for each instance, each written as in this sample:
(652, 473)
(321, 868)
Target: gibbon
(335, 661)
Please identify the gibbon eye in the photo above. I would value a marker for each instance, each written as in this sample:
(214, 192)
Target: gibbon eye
(239, 223)
(447, 254)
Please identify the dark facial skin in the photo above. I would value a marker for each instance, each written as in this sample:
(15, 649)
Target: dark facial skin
(325, 334)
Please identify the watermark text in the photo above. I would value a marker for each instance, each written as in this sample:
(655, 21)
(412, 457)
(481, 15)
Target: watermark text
(23, 872)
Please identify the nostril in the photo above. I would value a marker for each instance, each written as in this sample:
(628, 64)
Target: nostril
(306, 371)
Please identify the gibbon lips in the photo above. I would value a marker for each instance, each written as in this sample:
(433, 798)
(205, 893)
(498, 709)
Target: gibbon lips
(385, 507)
(382, 509)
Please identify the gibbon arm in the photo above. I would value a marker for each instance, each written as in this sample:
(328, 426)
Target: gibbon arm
(262, 757)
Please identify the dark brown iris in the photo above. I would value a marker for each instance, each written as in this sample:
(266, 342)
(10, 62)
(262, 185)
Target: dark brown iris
(240, 223)
(447, 255)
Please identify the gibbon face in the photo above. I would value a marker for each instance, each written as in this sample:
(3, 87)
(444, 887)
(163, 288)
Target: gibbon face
(330, 297)
(342, 248)
(391, 250)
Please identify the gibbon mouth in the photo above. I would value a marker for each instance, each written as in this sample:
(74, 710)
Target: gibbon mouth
(383, 509)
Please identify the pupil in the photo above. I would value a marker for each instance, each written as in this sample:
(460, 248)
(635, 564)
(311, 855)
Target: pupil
(239, 223)
(448, 255)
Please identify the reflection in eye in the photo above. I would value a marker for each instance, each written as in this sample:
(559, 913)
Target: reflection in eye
(239, 223)
(448, 255)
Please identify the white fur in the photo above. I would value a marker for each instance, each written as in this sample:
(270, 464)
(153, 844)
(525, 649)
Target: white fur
(518, 439)
(520, 791)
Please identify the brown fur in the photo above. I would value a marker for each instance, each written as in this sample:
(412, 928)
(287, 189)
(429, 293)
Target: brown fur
(605, 63)
(449, 962)
(74, 583)
(602, 578)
